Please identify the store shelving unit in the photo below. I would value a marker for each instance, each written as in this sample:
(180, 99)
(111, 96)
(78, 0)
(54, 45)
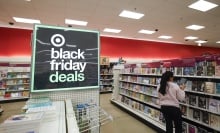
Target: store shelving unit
(135, 91)
(106, 78)
(15, 82)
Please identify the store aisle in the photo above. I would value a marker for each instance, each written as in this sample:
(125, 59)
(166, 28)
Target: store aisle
(122, 122)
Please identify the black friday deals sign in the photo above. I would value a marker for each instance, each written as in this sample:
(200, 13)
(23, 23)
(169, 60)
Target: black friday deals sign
(64, 58)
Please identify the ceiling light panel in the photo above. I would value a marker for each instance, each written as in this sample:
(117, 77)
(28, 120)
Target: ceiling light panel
(75, 22)
(191, 38)
(146, 31)
(218, 42)
(165, 37)
(195, 27)
(130, 14)
(202, 5)
(201, 41)
(112, 30)
(26, 20)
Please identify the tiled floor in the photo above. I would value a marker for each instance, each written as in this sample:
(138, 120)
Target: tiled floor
(122, 122)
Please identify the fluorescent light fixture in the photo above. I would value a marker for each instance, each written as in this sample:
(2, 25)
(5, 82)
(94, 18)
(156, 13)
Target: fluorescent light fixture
(201, 41)
(26, 20)
(218, 42)
(75, 22)
(191, 38)
(111, 30)
(165, 37)
(202, 5)
(147, 31)
(195, 27)
(130, 14)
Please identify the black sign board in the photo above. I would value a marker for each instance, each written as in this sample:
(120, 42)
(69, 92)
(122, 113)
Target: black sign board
(64, 59)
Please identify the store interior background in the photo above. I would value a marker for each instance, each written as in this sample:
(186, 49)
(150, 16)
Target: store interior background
(16, 47)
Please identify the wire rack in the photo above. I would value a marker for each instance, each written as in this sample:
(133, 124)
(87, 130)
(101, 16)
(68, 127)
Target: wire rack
(90, 117)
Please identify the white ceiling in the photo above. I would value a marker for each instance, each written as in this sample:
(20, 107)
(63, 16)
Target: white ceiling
(170, 17)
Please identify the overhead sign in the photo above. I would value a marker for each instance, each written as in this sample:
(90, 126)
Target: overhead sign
(64, 58)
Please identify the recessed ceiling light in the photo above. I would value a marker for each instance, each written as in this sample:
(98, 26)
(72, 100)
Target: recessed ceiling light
(202, 5)
(201, 41)
(165, 37)
(191, 38)
(28, 0)
(195, 27)
(26, 20)
(218, 42)
(75, 22)
(112, 30)
(130, 14)
(146, 31)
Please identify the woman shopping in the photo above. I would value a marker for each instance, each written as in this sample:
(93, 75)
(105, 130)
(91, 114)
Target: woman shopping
(169, 96)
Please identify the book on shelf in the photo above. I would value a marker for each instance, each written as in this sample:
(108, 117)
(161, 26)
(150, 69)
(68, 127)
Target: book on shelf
(217, 70)
(188, 85)
(217, 89)
(200, 86)
(202, 102)
(189, 71)
(194, 86)
(214, 121)
(210, 87)
(196, 114)
(200, 68)
(210, 68)
(178, 71)
(190, 113)
(183, 110)
(192, 128)
(214, 105)
(193, 100)
(205, 117)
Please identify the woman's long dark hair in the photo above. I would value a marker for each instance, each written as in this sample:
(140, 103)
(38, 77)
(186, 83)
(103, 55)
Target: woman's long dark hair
(163, 83)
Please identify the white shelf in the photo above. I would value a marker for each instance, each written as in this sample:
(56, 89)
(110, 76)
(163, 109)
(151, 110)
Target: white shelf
(17, 90)
(17, 84)
(18, 71)
(16, 78)
(139, 83)
(72, 126)
(56, 124)
(199, 77)
(141, 115)
(141, 74)
(105, 74)
(106, 79)
(140, 92)
(203, 93)
(150, 104)
(13, 98)
(202, 109)
(201, 123)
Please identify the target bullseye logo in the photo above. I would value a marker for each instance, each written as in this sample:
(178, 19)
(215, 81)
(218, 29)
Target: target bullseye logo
(57, 40)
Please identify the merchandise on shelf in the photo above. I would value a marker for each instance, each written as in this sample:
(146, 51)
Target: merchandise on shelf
(14, 81)
(106, 77)
(137, 89)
